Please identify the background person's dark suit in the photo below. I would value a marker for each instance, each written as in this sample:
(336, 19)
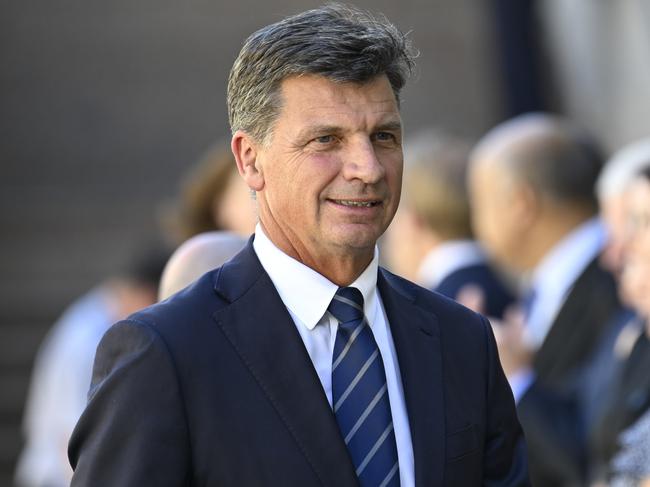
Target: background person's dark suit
(214, 387)
(495, 294)
(626, 400)
(550, 411)
(578, 327)
(554, 436)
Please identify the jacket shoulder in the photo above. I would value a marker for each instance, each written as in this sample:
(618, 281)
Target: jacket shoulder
(198, 301)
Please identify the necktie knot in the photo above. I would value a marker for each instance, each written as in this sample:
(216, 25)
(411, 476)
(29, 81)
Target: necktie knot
(347, 305)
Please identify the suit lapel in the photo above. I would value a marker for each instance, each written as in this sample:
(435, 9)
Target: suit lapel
(417, 343)
(261, 330)
(580, 322)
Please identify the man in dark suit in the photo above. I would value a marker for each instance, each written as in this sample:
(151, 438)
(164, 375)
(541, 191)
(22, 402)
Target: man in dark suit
(300, 362)
(532, 184)
(626, 396)
(430, 239)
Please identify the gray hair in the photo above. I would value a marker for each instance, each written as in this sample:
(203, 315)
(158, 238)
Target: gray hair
(549, 153)
(622, 168)
(335, 41)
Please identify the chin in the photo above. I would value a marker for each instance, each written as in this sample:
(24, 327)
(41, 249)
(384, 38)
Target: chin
(356, 237)
(359, 242)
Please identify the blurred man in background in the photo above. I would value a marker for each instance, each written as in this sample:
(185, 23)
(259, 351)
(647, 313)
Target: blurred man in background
(532, 191)
(599, 377)
(430, 240)
(626, 395)
(532, 184)
(614, 181)
(195, 257)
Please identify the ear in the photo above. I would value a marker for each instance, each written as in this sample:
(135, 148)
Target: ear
(245, 150)
(526, 204)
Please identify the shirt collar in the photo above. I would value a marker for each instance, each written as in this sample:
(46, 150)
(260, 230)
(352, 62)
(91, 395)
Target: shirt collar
(446, 258)
(305, 292)
(560, 268)
(556, 274)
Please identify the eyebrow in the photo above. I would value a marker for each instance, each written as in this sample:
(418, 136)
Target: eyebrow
(392, 125)
(318, 129)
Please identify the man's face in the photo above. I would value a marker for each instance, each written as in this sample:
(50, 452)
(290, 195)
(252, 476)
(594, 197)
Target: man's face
(636, 270)
(639, 219)
(494, 208)
(332, 167)
(614, 213)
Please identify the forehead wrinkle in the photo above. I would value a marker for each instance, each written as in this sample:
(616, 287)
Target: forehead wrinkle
(379, 116)
(349, 107)
(333, 93)
(337, 107)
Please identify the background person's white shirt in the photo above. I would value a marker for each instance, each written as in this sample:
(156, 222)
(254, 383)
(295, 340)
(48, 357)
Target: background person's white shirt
(307, 294)
(59, 389)
(552, 281)
(446, 259)
(556, 275)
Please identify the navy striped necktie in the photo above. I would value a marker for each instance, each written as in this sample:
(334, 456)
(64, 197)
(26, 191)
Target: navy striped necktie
(360, 394)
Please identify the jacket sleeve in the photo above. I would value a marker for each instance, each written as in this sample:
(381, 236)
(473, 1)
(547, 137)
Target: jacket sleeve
(554, 436)
(133, 431)
(505, 461)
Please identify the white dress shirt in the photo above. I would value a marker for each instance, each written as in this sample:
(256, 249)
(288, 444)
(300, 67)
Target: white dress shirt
(307, 294)
(556, 274)
(520, 381)
(551, 282)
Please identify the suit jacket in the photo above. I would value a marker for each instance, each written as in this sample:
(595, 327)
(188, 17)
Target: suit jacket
(497, 296)
(214, 387)
(598, 378)
(626, 400)
(550, 411)
(554, 435)
(578, 328)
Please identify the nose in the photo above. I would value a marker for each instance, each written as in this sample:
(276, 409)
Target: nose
(361, 162)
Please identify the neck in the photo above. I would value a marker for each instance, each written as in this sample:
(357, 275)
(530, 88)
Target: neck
(549, 230)
(340, 272)
(340, 267)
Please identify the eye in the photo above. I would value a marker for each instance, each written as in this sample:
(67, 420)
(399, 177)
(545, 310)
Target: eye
(384, 137)
(324, 139)
(324, 142)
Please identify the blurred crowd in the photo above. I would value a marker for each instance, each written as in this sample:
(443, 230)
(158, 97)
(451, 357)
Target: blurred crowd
(535, 228)
(531, 225)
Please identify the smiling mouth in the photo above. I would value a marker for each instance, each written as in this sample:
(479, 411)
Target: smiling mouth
(356, 203)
